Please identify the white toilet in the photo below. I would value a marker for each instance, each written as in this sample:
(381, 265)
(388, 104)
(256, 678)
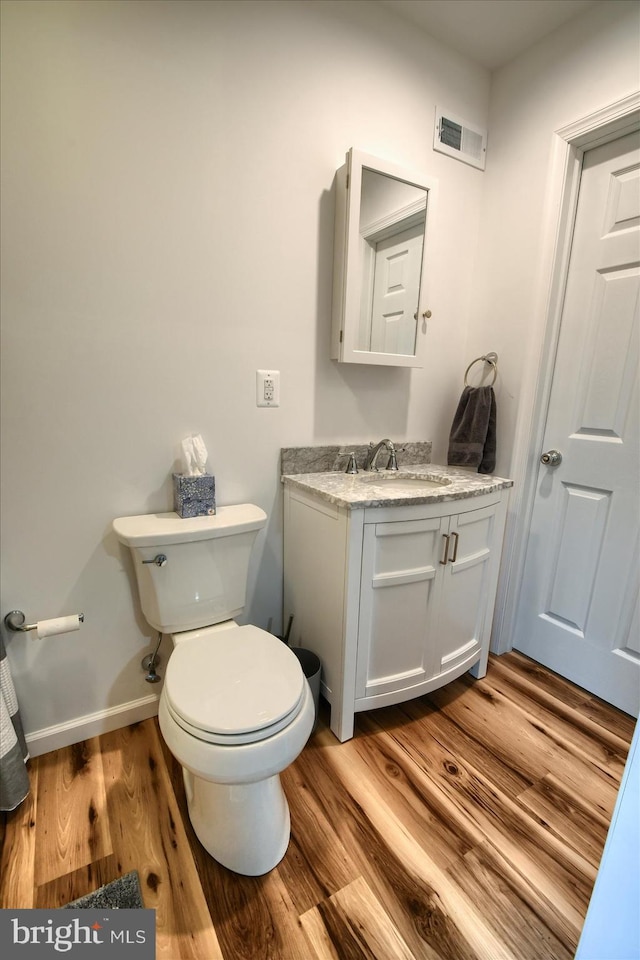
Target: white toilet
(236, 708)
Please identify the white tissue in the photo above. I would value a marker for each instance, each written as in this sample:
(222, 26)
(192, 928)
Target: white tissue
(51, 628)
(194, 456)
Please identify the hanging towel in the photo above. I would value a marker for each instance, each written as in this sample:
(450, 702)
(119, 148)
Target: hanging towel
(472, 441)
(14, 780)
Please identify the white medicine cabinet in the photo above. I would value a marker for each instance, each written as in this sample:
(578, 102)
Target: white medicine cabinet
(383, 222)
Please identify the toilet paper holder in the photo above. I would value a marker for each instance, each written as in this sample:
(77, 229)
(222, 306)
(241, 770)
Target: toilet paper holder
(15, 620)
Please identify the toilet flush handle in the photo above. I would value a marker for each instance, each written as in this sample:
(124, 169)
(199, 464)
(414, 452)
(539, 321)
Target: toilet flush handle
(159, 560)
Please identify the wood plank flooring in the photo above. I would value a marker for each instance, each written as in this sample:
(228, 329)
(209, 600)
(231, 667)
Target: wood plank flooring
(466, 825)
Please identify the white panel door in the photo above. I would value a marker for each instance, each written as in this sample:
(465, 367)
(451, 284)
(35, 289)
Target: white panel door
(578, 611)
(396, 290)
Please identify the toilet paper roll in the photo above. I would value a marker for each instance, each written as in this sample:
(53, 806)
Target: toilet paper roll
(51, 628)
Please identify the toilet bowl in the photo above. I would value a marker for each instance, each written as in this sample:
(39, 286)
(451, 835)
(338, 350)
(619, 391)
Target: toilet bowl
(236, 708)
(235, 712)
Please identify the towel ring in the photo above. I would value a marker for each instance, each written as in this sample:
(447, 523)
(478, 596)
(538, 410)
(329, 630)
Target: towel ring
(491, 358)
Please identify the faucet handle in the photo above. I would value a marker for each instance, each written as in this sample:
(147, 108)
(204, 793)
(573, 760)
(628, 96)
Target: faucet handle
(352, 466)
(393, 462)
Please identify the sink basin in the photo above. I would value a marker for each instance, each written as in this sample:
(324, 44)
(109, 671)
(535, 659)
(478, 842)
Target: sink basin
(404, 481)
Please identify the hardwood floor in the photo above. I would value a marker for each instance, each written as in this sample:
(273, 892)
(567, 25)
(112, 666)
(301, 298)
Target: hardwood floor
(466, 824)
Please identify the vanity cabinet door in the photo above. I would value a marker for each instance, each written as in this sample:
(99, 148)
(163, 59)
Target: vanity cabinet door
(465, 591)
(398, 607)
(424, 595)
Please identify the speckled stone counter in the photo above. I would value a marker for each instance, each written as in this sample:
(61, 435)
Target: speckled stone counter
(366, 490)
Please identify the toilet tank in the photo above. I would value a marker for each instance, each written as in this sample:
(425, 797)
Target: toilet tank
(204, 578)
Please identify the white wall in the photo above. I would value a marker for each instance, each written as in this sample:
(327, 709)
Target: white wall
(167, 230)
(586, 65)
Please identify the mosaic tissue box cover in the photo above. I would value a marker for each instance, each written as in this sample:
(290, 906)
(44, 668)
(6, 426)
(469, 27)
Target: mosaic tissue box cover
(194, 496)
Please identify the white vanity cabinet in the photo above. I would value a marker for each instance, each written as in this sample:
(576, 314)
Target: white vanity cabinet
(395, 600)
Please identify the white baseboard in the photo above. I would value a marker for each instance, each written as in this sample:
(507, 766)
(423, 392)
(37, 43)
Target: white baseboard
(91, 725)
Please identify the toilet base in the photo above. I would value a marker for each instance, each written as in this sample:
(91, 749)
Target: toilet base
(244, 826)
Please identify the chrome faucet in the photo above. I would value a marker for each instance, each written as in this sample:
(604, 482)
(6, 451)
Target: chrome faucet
(372, 456)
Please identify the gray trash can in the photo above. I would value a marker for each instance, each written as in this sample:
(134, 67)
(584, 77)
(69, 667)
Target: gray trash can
(311, 668)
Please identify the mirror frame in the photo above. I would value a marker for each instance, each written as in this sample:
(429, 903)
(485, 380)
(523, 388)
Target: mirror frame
(347, 267)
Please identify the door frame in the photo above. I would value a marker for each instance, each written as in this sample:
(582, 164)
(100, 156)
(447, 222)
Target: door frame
(570, 143)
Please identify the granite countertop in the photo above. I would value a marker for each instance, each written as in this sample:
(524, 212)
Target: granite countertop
(385, 489)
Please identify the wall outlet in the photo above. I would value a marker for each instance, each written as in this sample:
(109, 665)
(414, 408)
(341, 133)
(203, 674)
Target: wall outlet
(267, 388)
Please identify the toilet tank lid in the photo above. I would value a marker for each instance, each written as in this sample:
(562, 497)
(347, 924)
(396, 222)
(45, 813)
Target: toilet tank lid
(154, 529)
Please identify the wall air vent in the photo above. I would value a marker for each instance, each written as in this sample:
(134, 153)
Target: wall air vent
(459, 139)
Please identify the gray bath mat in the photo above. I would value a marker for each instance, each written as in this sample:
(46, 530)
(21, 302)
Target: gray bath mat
(121, 894)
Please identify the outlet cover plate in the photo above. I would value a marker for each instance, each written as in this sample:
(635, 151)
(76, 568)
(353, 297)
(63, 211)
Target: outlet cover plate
(267, 388)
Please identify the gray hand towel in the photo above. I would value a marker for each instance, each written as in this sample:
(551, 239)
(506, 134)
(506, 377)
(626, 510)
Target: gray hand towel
(472, 441)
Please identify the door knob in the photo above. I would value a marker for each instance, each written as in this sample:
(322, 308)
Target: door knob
(552, 458)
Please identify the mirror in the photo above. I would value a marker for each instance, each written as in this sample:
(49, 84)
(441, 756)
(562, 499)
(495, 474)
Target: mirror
(379, 262)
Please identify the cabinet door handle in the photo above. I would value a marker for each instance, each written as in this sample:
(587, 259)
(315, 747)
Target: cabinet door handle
(445, 537)
(455, 548)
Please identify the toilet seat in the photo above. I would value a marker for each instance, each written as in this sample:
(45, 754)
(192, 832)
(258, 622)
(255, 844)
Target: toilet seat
(238, 686)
